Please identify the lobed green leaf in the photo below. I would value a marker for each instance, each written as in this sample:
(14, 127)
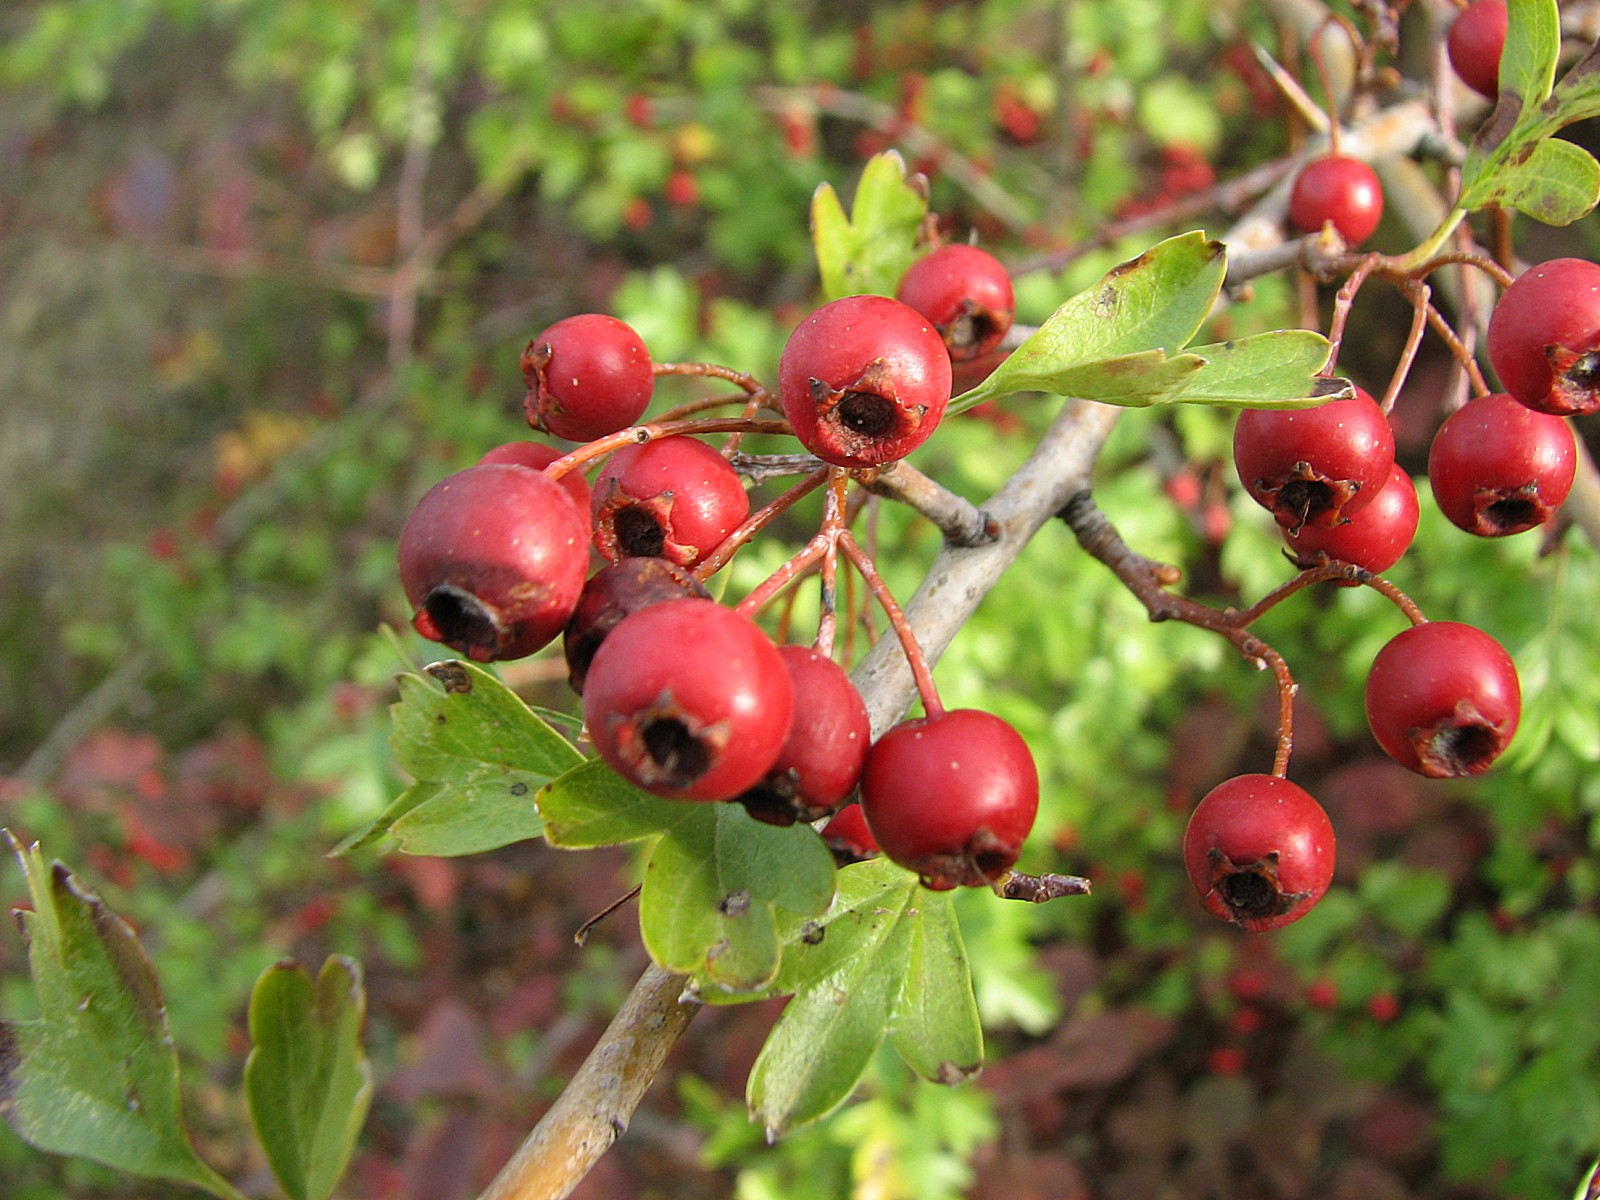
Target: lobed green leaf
(307, 1080)
(96, 1074)
(479, 756)
(869, 250)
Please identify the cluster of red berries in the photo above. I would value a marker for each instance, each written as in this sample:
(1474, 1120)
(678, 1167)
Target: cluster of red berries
(687, 697)
(1442, 698)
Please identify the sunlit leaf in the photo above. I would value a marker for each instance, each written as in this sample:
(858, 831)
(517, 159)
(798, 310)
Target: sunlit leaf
(868, 251)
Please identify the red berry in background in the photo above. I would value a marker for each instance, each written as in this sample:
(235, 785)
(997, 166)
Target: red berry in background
(1375, 538)
(1475, 43)
(674, 498)
(847, 835)
(538, 455)
(587, 376)
(1498, 467)
(1314, 466)
(682, 189)
(864, 381)
(1443, 699)
(492, 559)
(1383, 1007)
(821, 759)
(1322, 993)
(1544, 337)
(951, 797)
(1259, 851)
(688, 699)
(966, 293)
(1339, 189)
(615, 592)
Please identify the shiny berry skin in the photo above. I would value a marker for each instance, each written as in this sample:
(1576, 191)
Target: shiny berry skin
(1314, 466)
(847, 835)
(821, 759)
(864, 381)
(966, 293)
(1475, 43)
(688, 699)
(1259, 851)
(1340, 189)
(1544, 337)
(587, 376)
(951, 797)
(1443, 699)
(674, 498)
(539, 456)
(1498, 468)
(1375, 538)
(614, 592)
(492, 559)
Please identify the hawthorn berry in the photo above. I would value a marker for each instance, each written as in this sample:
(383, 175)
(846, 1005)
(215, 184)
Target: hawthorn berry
(966, 293)
(1544, 337)
(821, 759)
(1259, 851)
(951, 797)
(1314, 466)
(688, 699)
(864, 381)
(538, 455)
(616, 591)
(1375, 538)
(492, 560)
(674, 498)
(848, 837)
(587, 376)
(1498, 467)
(1443, 699)
(1339, 189)
(1475, 42)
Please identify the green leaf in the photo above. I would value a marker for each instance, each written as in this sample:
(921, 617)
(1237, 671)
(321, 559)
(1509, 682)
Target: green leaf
(96, 1075)
(1280, 369)
(711, 890)
(591, 805)
(479, 756)
(307, 1081)
(935, 1027)
(869, 250)
(886, 959)
(1156, 302)
(1533, 46)
(1556, 183)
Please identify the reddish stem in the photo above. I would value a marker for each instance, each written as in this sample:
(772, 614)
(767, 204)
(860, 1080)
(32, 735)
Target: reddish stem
(918, 661)
(756, 522)
(639, 435)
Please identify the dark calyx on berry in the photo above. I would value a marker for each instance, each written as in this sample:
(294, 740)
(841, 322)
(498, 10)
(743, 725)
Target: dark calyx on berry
(866, 412)
(1252, 891)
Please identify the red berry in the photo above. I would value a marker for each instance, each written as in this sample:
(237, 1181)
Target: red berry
(688, 699)
(492, 559)
(1443, 699)
(674, 498)
(1314, 466)
(1339, 189)
(1383, 1007)
(848, 837)
(539, 456)
(587, 376)
(1322, 993)
(1544, 337)
(864, 381)
(966, 293)
(615, 592)
(951, 797)
(1226, 1060)
(682, 189)
(1475, 43)
(1259, 851)
(821, 760)
(1375, 538)
(1498, 467)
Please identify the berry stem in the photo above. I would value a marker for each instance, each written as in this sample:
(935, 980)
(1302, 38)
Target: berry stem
(915, 658)
(755, 523)
(1334, 571)
(639, 435)
(1419, 293)
(749, 383)
(835, 516)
